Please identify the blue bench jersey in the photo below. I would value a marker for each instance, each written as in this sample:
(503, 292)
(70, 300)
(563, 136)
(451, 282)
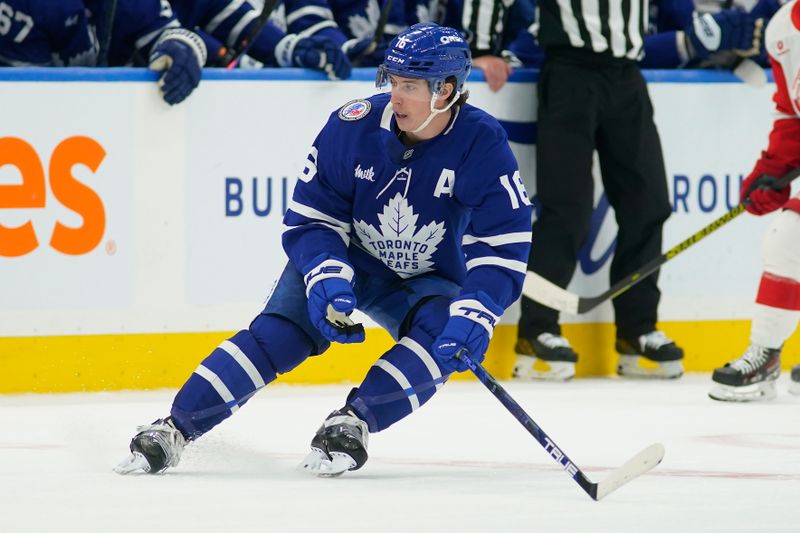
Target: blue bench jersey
(137, 26)
(46, 33)
(454, 205)
(67, 32)
(340, 20)
(228, 22)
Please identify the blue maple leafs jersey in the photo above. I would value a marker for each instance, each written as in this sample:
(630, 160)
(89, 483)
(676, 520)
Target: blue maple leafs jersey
(228, 22)
(454, 205)
(137, 26)
(340, 20)
(664, 50)
(46, 33)
(68, 32)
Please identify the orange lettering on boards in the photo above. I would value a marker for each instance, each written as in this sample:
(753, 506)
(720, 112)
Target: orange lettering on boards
(68, 191)
(76, 196)
(31, 193)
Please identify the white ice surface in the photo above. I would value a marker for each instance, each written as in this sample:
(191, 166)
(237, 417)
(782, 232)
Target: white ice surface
(459, 464)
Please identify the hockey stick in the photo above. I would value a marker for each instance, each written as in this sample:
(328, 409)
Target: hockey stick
(105, 45)
(342, 322)
(642, 462)
(548, 293)
(639, 464)
(235, 53)
(380, 29)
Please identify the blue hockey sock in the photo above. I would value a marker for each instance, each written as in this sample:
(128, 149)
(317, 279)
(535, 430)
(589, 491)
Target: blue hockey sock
(235, 371)
(406, 376)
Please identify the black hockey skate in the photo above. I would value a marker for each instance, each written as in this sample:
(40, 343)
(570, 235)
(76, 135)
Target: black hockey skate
(653, 355)
(155, 448)
(548, 357)
(339, 445)
(749, 378)
(794, 382)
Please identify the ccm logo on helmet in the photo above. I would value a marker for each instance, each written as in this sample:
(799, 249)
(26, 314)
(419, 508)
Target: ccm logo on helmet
(395, 59)
(447, 39)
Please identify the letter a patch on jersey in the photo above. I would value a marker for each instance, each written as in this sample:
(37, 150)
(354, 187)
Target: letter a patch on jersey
(447, 180)
(355, 110)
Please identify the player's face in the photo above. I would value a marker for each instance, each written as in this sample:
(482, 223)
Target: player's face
(411, 100)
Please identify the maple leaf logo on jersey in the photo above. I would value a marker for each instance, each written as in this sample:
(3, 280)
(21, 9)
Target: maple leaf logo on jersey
(397, 243)
(433, 11)
(363, 26)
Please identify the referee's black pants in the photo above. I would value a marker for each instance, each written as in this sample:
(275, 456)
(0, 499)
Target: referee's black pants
(585, 107)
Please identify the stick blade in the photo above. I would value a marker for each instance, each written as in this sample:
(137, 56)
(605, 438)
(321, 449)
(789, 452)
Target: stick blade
(641, 463)
(548, 293)
(587, 304)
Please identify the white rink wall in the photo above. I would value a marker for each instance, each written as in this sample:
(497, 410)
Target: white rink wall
(178, 228)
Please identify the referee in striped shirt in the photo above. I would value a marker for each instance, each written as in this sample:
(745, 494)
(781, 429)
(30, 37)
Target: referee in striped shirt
(592, 97)
(490, 27)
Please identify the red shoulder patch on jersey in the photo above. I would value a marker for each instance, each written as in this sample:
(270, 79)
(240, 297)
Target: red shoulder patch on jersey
(796, 15)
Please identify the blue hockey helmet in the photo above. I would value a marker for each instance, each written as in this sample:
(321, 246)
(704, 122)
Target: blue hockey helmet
(430, 52)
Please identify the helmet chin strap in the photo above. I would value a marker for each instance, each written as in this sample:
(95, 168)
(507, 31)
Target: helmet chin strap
(435, 111)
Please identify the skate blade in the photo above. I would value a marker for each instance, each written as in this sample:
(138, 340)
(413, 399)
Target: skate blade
(748, 393)
(636, 366)
(313, 461)
(132, 463)
(319, 464)
(337, 466)
(533, 368)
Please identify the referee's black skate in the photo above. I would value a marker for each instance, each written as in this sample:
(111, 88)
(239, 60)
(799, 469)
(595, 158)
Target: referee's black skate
(794, 382)
(339, 445)
(749, 378)
(547, 357)
(653, 355)
(154, 448)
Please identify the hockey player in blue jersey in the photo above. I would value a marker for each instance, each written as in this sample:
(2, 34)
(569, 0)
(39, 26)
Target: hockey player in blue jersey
(680, 36)
(47, 33)
(72, 33)
(351, 24)
(411, 209)
(147, 33)
(224, 23)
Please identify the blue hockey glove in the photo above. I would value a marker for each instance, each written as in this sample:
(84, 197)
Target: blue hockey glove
(730, 29)
(470, 326)
(316, 52)
(180, 54)
(329, 288)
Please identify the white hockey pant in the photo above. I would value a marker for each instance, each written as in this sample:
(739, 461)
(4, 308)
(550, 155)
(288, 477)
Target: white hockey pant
(778, 300)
